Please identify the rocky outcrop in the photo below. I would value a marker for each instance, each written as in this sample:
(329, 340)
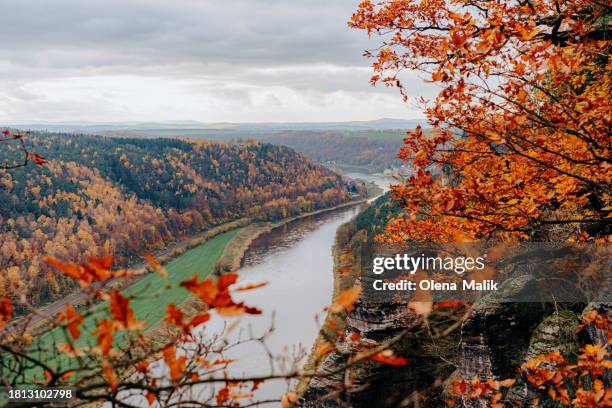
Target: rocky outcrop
(372, 384)
(496, 334)
(556, 333)
(379, 321)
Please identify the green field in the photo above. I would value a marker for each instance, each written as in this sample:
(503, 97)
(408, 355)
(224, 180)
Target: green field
(152, 293)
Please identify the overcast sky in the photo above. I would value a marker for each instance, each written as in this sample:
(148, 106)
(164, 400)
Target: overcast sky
(205, 60)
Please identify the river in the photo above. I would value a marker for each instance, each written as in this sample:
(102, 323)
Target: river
(296, 261)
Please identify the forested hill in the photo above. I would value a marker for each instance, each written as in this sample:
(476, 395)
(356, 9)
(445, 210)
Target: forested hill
(375, 151)
(99, 196)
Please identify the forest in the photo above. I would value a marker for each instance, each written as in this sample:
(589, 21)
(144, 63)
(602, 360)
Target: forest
(82, 201)
(343, 149)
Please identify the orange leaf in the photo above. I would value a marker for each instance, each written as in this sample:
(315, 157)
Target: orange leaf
(104, 333)
(222, 362)
(227, 280)
(174, 315)
(176, 365)
(206, 290)
(69, 349)
(105, 262)
(48, 376)
(142, 366)
(199, 319)
(223, 395)
(155, 265)
(68, 269)
(122, 312)
(110, 375)
(289, 399)
(345, 300)
(38, 159)
(73, 319)
(97, 270)
(324, 349)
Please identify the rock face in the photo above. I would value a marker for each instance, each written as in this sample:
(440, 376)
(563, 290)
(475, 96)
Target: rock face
(498, 331)
(556, 333)
(379, 321)
(372, 384)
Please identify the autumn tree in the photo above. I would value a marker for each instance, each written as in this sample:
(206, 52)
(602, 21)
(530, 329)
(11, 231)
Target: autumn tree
(520, 144)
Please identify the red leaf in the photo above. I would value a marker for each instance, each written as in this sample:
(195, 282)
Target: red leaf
(73, 319)
(6, 309)
(38, 159)
(227, 280)
(199, 319)
(448, 304)
(389, 358)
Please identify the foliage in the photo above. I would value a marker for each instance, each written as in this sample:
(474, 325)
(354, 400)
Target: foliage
(527, 87)
(553, 378)
(376, 216)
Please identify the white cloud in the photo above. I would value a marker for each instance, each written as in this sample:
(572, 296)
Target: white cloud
(239, 60)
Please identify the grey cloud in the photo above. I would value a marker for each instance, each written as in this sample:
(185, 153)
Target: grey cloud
(209, 54)
(63, 33)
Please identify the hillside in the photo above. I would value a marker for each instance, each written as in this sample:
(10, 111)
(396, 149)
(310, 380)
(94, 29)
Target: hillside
(82, 202)
(368, 145)
(368, 150)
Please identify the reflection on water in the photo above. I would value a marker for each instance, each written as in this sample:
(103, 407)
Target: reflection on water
(286, 236)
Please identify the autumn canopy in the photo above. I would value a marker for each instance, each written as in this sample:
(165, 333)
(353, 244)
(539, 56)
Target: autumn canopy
(521, 140)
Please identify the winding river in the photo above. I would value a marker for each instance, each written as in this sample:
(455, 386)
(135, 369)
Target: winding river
(296, 261)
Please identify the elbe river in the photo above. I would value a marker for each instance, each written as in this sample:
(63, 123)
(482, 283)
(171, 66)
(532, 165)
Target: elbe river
(296, 261)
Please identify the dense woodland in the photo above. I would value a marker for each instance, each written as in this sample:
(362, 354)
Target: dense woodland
(81, 203)
(375, 154)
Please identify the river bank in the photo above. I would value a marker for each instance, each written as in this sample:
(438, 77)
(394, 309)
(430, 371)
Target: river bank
(233, 256)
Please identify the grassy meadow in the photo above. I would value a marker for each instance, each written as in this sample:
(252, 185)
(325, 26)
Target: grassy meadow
(151, 295)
